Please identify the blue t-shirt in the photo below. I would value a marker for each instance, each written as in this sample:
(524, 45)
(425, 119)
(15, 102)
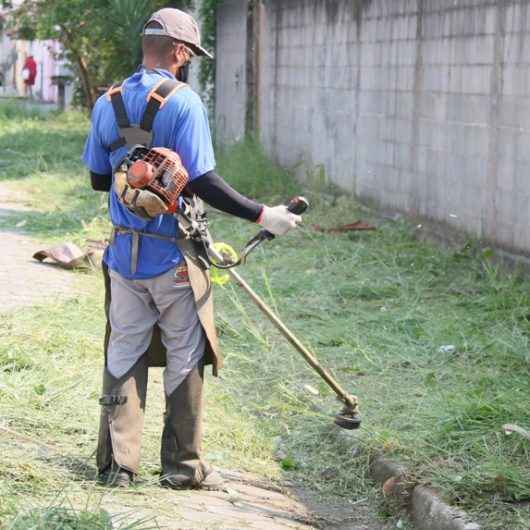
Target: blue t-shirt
(181, 125)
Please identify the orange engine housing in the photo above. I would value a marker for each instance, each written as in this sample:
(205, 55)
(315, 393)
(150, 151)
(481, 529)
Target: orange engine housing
(160, 171)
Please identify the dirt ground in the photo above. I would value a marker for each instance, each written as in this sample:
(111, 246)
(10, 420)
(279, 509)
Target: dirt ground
(24, 280)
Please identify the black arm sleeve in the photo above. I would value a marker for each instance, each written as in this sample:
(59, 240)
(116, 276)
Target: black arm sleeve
(100, 182)
(215, 191)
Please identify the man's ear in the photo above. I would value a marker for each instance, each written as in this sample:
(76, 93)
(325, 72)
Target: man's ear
(181, 55)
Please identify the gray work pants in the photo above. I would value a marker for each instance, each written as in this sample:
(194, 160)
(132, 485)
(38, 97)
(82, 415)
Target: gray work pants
(136, 305)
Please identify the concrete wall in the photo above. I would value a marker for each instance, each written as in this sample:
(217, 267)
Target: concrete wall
(421, 105)
(231, 80)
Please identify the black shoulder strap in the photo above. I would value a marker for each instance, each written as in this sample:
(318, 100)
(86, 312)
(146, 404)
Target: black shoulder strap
(134, 135)
(156, 99)
(115, 97)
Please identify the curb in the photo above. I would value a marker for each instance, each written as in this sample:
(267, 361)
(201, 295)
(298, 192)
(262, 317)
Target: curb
(427, 510)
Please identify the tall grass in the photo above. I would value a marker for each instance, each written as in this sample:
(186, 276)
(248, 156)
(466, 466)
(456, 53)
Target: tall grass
(246, 166)
(67, 518)
(13, 110)
(380, 309)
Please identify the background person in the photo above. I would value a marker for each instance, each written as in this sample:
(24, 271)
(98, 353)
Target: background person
(29, 74)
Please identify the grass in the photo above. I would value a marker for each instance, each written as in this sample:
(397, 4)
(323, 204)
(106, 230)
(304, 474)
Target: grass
(68, 518)
(377, 307)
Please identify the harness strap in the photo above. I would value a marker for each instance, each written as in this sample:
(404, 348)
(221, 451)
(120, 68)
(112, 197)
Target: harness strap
(120, 142)
(134, 135)
(135, 241)
(157, 98)
(115, 97)
(131, 135)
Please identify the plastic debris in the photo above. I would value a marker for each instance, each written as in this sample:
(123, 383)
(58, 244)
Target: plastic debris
(510, 428)
(312, 390)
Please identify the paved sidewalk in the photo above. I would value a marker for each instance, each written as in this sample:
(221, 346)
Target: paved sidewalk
(248, 503)
(23, 280)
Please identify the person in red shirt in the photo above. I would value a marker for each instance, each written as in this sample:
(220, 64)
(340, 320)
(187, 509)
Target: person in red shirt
(29, 73)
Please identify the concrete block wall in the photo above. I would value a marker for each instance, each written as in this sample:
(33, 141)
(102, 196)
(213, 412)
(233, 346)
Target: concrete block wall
(420, 105)
(231, 76)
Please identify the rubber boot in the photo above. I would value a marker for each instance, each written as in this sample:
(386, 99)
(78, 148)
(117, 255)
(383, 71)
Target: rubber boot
(182, 466)
(121, 422)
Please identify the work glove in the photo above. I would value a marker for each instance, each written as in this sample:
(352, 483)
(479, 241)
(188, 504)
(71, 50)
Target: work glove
(143, 203)
(278, 220)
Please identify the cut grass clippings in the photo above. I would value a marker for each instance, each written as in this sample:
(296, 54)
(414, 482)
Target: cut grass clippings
(436, 343)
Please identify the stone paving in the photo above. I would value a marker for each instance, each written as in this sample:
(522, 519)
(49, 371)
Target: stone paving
(247, 503)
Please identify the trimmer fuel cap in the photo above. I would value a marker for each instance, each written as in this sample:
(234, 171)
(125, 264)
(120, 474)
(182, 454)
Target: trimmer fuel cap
(140, 174)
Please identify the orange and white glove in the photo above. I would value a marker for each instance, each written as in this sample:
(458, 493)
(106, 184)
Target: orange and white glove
(278, 220)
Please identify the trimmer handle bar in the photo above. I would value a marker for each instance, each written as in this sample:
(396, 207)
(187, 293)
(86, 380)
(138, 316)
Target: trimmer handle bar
(297, 205)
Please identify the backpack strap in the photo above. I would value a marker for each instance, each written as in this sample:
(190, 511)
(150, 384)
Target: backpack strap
(114, 95)
(131, 135)
(157, 98)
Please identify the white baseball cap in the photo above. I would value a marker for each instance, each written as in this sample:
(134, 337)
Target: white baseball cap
(178, 25)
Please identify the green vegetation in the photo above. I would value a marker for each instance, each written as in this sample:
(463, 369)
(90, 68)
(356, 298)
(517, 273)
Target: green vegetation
(208, 20)
(115, 25)
(100, 38)
(59, 517)
(247, 168)
(41, 155)
(379, 308)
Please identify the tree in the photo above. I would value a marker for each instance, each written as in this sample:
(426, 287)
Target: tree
(100, 38)
(208, 16)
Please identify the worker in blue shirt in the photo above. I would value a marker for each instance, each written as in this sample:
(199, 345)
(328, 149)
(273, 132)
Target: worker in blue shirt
(153, 290)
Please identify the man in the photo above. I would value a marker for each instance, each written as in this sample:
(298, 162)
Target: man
(151, 284)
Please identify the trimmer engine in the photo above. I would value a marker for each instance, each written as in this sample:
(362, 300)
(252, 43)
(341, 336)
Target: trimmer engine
(158, 170)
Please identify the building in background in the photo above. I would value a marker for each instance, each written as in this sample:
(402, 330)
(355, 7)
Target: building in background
(13, 53)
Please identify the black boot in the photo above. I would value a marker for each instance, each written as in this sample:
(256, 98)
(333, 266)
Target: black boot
(116, 477)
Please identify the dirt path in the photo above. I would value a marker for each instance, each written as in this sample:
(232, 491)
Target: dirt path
(23, 280)
(248, 502)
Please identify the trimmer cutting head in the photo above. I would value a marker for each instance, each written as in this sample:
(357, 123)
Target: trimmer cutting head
(348, 418)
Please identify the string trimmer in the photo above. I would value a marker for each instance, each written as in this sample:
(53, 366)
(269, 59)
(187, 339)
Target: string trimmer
(224, 257)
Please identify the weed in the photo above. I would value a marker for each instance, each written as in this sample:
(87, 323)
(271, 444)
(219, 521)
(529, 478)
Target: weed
(248, 169)
(65, 518)
(377, 307)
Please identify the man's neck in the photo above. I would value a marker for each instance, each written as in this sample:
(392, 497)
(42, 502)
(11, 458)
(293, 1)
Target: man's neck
(153, 64)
